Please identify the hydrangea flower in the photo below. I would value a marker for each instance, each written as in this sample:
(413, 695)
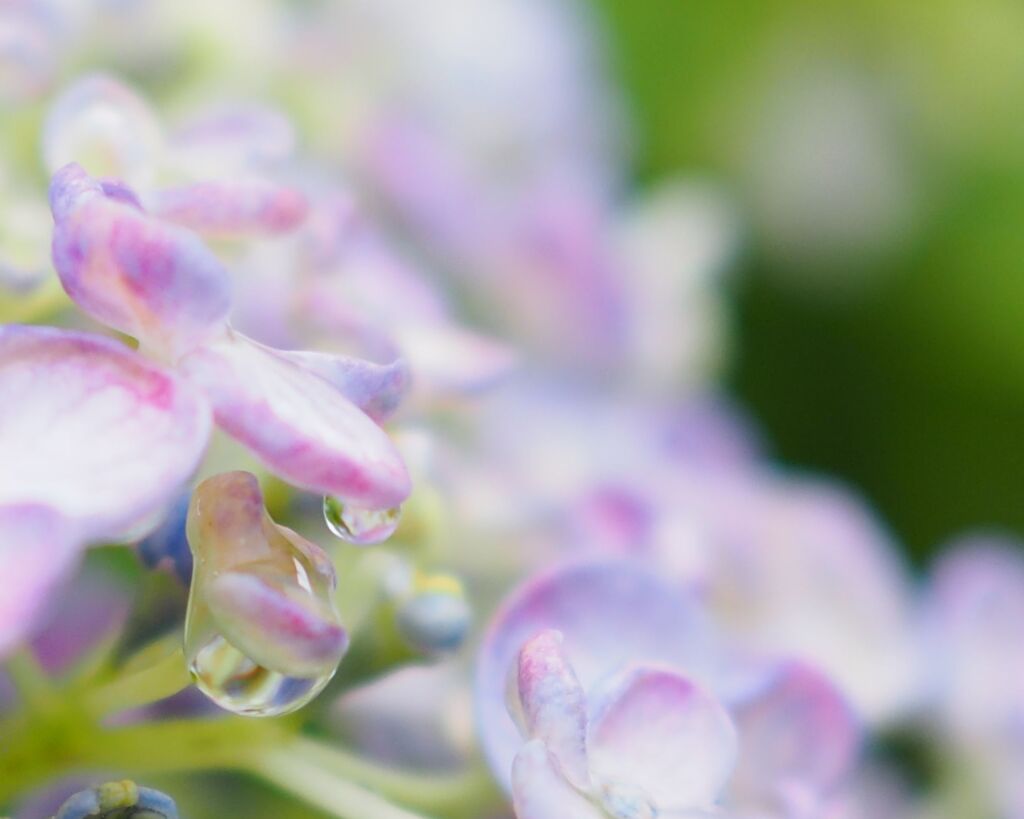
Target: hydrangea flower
(162, 285)
(798, 740)
(657, 745)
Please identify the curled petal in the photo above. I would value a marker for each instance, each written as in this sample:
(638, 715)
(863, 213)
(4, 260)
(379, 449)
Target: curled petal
(540, 791)
(660, 733)
(377, 389)
(97, 432)
(298, 424)
(38, 551)
(554, 705)
(798, 741)
(106, 127)
(154, 281)
(613, 614)
(232, 207)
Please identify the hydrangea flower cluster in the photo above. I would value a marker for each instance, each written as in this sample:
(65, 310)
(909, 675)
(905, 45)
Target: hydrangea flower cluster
(361, 434)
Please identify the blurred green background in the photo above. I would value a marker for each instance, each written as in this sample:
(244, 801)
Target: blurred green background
(877, 154)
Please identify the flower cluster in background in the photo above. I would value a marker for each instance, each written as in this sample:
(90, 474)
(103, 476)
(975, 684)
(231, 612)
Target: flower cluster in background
(365, 449)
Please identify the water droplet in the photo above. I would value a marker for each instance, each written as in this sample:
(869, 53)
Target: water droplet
(361, 526)
(262, 635)
(624, 801)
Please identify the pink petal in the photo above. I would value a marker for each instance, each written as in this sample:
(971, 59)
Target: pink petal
(38, 552)
(660, 733)
(799, 740)
(156, 282)
(540, 791)
(554, 704)
(377, 389)
(105, 126)
(298, 424)
(613, 614)
(93, 430)
(232, 207)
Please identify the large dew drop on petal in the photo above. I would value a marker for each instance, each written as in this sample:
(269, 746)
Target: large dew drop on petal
(360, 526)
(262, 636)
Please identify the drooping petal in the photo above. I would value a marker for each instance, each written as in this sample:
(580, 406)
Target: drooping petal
(38, 551)
(554, 705)
(377, 389)
(661, 733)
(613, 614)
(540, 791)
(105, 126)
(799, 740)
(154, 281)
(92, 429)
(232, 207)
(297, 423)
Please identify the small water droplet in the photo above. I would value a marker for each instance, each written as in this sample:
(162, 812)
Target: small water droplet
(262, 635)
(624, 801)
(360, 526)
(433, 614)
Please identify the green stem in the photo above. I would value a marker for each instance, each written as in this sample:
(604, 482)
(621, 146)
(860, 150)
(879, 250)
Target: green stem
(451, 796)
(156, 682)
(324, 789)
(34, 687)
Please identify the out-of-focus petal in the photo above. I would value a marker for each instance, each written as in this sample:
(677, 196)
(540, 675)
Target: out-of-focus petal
(297, 423)
(613, 614)
(233, 137)
(554, 705)
(976, 616)
(154, 281)
(232, 207)
(661, 733)
(449, 359)
(29, 50)
(93, 429)
(38, 551)
(377, 389)
(540, 791)
(107, 128)
(799, 740)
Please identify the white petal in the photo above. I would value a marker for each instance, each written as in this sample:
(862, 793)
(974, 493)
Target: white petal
(541, 792)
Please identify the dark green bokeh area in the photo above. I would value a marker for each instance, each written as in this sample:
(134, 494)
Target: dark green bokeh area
(880, 336)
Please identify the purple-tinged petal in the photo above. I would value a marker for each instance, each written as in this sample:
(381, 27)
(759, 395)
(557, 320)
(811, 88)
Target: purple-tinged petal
(106, 127)
(657, 731)
(38, 552)
(154, 281)
(298, 424)
(799, 740)
(232, 207)
(95, 431)
(612, 614)
(553, 704)
(540, 791)
(29, 49)
(975, 613)
(377, 389)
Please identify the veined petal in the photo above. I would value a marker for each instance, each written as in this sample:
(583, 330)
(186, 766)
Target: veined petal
(540, 791)
(798, 740)
(154, 281)
(232, 207)
(297, 423)
(105, 126)
(554, 705)
(93, 430)
(613, 614)
(38, 551)
(377, 389)
(661, 733)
